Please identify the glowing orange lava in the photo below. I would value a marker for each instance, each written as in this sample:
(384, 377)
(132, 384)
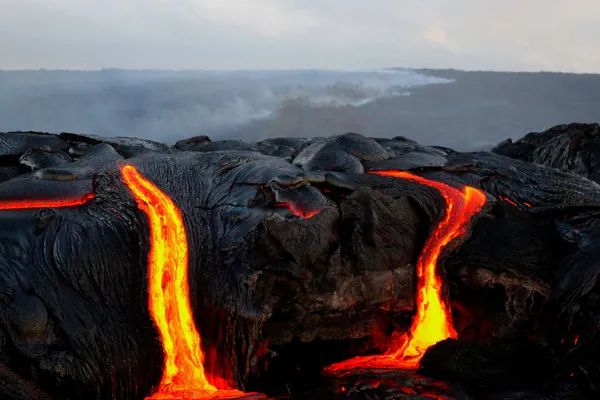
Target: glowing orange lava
(432, 322)
(183, 376)
(26, 204)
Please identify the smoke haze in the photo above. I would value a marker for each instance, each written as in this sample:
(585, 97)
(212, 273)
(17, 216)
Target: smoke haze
(463, 110)
(168, 105)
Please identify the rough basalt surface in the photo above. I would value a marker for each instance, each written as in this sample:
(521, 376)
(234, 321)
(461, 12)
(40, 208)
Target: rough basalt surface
(574, 148)
(277, 296)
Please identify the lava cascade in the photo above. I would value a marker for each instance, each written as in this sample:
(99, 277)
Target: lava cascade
(432, 322)
(184, 377)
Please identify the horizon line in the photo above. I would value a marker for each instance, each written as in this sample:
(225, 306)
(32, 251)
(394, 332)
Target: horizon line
(238, 70)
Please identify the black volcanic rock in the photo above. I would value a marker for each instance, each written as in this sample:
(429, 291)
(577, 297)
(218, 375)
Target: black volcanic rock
(38, 158)
(16, 143)
(488, 367)
(573, 147)
(128, 146)
(277, 296)
(344, 153)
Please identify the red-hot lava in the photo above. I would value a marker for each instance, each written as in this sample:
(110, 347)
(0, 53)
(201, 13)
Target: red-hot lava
(25, 204)
(184, 377)
(432, 322)
(514, 203)
(508, 200)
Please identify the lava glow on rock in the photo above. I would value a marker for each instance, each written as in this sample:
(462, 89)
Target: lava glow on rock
(304, 214)
(183, 376)
(432, 322)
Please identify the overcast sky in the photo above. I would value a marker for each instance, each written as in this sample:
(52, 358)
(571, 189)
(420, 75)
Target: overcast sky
(557, 35)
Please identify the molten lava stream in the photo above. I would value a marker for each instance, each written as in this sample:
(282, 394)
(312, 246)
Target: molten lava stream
(183, 376)
(26, 204)
(432, 322)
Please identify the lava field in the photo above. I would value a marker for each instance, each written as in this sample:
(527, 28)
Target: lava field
(344, 267)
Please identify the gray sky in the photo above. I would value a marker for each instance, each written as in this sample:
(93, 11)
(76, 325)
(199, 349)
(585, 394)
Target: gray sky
(557, 35)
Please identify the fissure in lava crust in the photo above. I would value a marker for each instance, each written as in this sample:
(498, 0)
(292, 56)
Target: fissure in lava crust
(432, 322)
(304, 214)
(183, 375)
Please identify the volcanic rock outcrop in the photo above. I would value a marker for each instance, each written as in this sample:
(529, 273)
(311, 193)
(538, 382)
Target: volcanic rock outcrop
(574, 148)
(298, 258)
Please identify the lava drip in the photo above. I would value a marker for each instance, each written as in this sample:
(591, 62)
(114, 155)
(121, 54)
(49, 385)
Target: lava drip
(184, 377)
(432, 322)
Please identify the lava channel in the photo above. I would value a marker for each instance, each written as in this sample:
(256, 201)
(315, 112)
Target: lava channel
(432, 322)
(183, 377)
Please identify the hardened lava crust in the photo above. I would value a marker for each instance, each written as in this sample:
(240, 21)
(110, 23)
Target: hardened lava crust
(299, 257)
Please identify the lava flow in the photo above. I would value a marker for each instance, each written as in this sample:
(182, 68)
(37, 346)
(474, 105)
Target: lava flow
(183, 376)
(26, 204)
(432, 322)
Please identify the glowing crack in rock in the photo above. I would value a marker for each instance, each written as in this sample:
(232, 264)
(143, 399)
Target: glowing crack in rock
(298, 212)
(183, 377)
(432, 322)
